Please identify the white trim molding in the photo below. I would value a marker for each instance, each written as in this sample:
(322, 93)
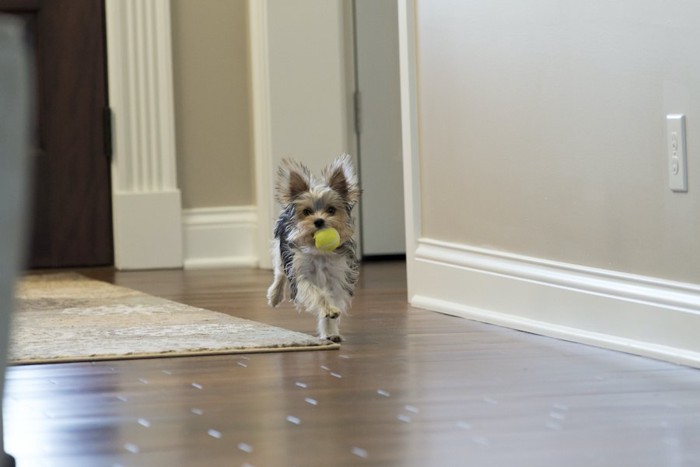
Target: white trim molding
(409, 131)
(146, 205)
(220, 237)
(636, 314)
(262, 127)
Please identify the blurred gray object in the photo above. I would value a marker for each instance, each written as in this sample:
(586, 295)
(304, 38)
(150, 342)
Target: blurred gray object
(15, 85)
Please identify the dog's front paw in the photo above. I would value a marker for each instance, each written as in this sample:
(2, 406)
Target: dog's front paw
(328, 326)
(332, 312)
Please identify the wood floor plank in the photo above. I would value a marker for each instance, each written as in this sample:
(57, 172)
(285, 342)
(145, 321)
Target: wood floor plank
(407, 388)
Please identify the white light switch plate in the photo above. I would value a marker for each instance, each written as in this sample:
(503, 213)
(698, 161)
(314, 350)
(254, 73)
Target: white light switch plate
(675, 141)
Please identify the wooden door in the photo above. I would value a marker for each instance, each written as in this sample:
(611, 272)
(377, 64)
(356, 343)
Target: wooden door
(71, 218)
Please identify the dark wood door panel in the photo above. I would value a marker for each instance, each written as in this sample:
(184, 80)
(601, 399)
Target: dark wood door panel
(72, 194)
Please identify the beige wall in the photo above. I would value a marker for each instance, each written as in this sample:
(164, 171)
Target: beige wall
(210, 64)
(542, 130)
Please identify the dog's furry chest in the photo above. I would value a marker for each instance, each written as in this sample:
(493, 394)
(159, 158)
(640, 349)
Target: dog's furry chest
(327, 271)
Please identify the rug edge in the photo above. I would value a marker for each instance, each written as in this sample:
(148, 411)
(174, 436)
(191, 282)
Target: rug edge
(175, 354)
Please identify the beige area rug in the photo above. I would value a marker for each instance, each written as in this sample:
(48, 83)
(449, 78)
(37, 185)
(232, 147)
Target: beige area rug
(67, 317)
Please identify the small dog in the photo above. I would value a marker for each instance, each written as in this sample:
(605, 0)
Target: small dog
(319, 282)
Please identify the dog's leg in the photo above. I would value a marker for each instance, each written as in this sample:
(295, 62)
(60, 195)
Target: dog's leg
(316, 300)
(275, 294)
(328, 328)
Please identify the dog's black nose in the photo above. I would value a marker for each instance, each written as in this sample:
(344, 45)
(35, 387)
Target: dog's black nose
(319, 223)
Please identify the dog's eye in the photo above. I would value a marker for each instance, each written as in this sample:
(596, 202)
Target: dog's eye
(307, 212)
(330, 211)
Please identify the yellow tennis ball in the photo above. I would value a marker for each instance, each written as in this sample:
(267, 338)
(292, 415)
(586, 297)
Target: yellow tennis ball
(327, 239)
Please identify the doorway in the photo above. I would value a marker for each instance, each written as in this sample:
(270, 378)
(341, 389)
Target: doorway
(379, 128)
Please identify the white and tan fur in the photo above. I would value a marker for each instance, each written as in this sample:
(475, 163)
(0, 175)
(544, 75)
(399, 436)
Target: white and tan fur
(319, 282)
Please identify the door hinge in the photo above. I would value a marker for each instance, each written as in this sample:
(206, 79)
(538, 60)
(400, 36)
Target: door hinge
(107, 131)
(358, 112)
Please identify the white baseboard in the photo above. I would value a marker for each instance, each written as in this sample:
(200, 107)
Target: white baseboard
(147, 230)
(220, 237)
(635, 314)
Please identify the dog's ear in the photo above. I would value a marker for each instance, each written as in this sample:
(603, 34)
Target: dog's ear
(340, 177)
(293, 179)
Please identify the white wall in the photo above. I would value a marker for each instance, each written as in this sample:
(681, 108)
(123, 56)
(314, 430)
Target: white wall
(539, 191)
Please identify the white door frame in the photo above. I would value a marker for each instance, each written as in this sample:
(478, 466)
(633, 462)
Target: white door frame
(146, 202)
(262, 132)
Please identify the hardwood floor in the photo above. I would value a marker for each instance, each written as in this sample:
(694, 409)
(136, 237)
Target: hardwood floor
(407, 388)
